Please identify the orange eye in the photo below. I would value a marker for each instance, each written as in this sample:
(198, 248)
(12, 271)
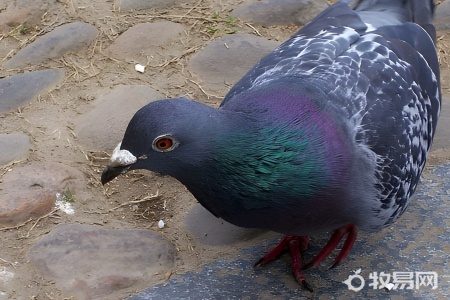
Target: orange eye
(164, 143)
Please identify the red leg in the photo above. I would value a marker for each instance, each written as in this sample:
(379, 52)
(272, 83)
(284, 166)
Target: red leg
(274, 253)
(282, 245)
(333, 242)
(296, 244)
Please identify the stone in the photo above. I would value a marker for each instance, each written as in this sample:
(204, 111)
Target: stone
(19, 90)
(280, 12)
(66, 38)
(14, 146)
(128, 5)
(224, 61)
(93, 262)
(214, 231)
(442, 136)
(146, 39)
(28, 12)
(442, 16)
(30, 191)
(102, 128)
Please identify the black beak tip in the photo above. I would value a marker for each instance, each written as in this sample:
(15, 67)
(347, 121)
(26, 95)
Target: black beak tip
(109, 174)
(106, 176)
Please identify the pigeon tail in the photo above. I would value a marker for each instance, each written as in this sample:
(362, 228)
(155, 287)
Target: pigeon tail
(378, 13)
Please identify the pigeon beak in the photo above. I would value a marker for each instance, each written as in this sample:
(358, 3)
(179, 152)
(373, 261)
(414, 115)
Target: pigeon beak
(109, 173)
(120, 162)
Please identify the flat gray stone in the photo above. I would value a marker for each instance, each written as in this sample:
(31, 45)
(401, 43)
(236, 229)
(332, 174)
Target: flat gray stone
(66, 38)
(93, 262)
(280, 12)
(128, 5)
(14, 146)
(21, 89)
(103, 127)
(224, 61)
(442, 16)
(146, 39)
(30, 191)
(214, 231)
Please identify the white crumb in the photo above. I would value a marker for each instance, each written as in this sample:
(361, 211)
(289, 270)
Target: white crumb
(161, 224)
(139, 68)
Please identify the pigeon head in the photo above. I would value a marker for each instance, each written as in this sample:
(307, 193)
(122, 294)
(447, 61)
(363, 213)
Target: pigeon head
(165, 136)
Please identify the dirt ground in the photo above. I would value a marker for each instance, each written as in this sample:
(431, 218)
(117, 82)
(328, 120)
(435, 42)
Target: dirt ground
(49, 121)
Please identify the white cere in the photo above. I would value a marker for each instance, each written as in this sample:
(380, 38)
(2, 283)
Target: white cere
(121, 157)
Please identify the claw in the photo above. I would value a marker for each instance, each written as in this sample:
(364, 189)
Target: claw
(307, 286)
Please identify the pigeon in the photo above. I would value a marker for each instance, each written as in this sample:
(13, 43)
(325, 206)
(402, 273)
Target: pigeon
(328, 133)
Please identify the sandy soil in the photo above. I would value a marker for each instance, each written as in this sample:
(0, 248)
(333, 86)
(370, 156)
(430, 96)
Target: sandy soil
(49, 121)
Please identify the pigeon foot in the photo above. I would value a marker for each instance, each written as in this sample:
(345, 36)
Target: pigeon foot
(295, 244)
(333, 242)
(298, 244)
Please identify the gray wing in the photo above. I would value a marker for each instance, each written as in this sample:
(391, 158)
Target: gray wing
(402, 110)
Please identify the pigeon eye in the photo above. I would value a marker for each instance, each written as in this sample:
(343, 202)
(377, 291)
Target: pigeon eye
(164, 143)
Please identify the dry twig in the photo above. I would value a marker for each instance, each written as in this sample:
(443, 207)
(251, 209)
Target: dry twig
(203, 91)
(16, 226)
(177, 58)
(40, 218)
(147, 198)
(254, 29)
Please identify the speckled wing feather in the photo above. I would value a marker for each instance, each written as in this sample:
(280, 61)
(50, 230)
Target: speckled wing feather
(384, 81)
(317, 44)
